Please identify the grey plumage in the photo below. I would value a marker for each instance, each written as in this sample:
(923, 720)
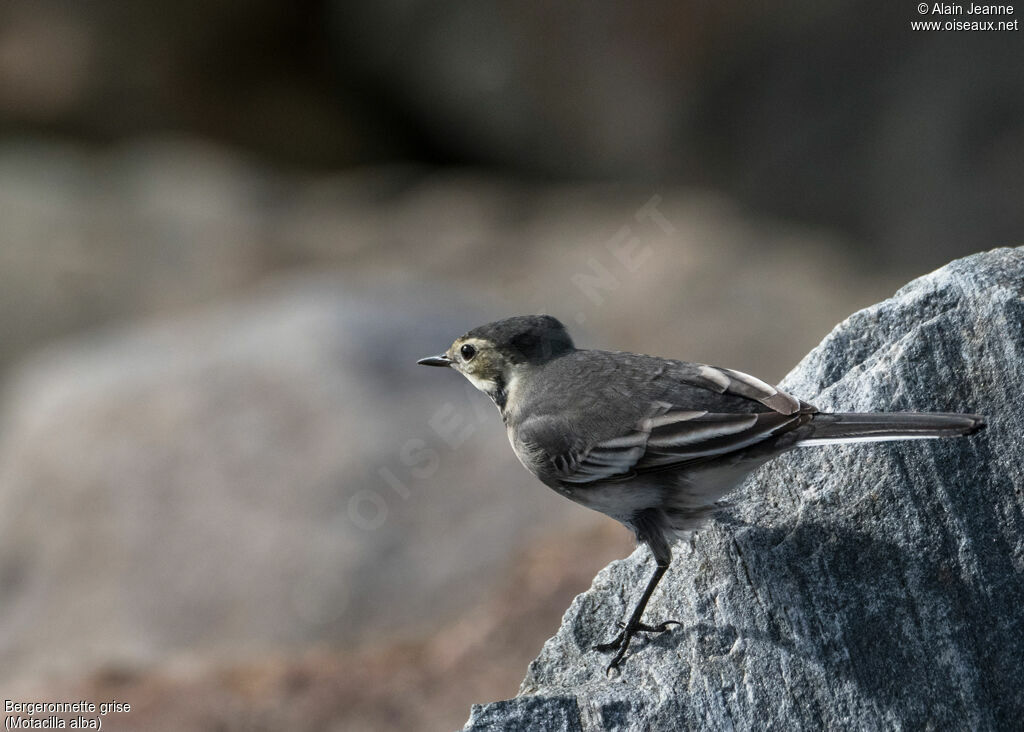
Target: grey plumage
(651, 442)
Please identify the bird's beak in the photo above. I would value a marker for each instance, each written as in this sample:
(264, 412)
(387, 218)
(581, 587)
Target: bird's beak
(439, 360)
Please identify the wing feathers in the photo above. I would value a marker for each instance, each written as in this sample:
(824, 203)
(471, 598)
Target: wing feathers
(635, 439)
(738, 432)
(670, 439)
(695, 432)
(718, 377)
(727, 381)
(614, 457)
(668, 436)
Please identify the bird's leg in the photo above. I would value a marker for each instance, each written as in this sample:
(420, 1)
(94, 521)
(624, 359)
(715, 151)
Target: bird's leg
(633, 625)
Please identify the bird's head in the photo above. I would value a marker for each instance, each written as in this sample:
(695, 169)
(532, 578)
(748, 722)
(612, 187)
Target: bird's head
(493, 356)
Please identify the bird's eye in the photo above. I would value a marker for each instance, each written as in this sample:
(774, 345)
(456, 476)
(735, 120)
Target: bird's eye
(468, 352)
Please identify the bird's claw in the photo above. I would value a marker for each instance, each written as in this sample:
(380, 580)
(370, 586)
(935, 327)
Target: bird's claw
(621, 642)
(612, 644)
(614, 665)
(659, 628)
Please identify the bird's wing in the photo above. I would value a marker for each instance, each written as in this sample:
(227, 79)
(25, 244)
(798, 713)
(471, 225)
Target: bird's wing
(679, 427)
(669, 437)
(728, 381)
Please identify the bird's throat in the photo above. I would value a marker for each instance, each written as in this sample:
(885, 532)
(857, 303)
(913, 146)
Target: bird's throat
(498, 392)
(496, 388)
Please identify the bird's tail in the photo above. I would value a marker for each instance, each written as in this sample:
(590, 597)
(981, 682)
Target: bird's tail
(830, 429)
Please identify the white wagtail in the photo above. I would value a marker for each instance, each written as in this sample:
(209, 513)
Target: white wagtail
(651, 442)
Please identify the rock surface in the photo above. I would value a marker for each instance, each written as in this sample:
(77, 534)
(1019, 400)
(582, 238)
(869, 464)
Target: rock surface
(861, 587)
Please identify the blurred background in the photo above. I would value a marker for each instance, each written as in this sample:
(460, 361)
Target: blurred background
(228, 497)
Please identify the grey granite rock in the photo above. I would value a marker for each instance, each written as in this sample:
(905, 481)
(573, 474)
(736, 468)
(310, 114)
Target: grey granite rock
(865, 587)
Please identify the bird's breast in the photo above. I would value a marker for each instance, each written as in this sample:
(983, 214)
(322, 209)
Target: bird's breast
(621, 501)
(528, 456)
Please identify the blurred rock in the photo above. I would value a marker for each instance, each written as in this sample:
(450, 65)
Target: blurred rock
(265, 475)
(833, 113)
(874, 586)
(423, 683)
(165, 224)
(90, 239)
(252, 74)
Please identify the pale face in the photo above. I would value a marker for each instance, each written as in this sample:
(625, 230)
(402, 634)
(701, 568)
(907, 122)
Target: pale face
(478, 361)
(487, 369)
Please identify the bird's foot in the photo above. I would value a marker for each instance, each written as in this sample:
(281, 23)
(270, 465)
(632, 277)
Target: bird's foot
(659, 628)
(621, 642)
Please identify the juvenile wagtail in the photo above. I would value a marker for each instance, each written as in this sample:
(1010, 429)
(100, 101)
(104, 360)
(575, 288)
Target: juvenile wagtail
(651, 442)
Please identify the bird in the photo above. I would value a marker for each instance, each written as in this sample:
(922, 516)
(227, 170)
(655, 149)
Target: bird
(651, 442)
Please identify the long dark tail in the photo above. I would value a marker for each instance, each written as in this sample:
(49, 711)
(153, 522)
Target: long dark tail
(879, 427)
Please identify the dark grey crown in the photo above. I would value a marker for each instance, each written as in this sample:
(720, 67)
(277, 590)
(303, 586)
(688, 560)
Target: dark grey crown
(526, 338)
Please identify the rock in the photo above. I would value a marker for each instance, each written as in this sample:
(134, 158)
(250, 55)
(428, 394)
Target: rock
(858, 587)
